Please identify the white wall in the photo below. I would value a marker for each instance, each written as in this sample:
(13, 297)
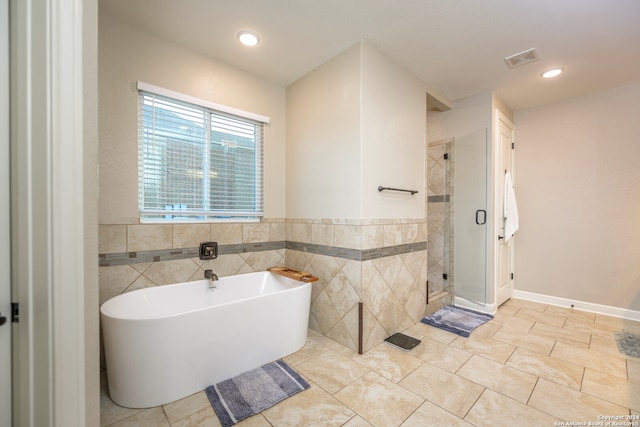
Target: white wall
(467, 116)
(354, 123)
(394, 105)
(323, 140)
(126, 55)
(578, 190)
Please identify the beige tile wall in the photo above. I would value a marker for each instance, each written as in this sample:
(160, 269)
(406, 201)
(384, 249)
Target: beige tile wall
(392, 288)
(439, 248)
(114, 280)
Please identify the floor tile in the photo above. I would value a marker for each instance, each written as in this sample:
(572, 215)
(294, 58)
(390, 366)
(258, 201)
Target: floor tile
(256, 421)
(613, 389)
(332, 371)
(447, 390)
(498, 377)
(604, 344)
(521, 303)
(441, 355)
(147, 417)
(596, 329)
(541, 317)
(546, 367)
(494, 409)
(568, 404)
(333, 345)
(481, 380)
(187, 406)
(603, 362)
(633, 369)
(357, 421)
(571, 313)
(311, 349)
(421, 330)
(109, 411)
(391, 363)
(508, 309)
(486, 347)
(516, 324)
(631, 327)
(532, 342)
(431, 415)
(379, 401)
(486, 330)
(573, 337)
(203, 418)
(312, 407)
(615, 323)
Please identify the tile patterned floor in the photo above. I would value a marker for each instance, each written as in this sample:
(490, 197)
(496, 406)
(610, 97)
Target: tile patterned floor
(533, 365)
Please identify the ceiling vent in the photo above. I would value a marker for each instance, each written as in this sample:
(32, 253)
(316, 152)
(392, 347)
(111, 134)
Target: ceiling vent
(522, 58)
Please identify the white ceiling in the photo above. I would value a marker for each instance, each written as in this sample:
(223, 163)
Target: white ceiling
(456, 47)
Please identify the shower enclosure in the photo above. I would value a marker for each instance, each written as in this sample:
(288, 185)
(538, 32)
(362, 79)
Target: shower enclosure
(457, 218)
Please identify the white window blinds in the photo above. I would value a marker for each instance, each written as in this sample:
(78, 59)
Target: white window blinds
(196, 163)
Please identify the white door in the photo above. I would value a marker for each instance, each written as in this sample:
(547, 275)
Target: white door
(505, 250)
(5, 288)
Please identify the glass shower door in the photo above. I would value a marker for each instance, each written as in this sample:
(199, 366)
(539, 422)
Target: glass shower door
(469, 216)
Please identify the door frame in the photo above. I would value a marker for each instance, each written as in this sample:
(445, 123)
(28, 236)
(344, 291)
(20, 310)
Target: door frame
(47, 245)
(498, 218)
(5, 249)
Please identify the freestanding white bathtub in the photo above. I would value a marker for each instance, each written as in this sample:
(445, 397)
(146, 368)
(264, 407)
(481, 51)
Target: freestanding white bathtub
(164, 343)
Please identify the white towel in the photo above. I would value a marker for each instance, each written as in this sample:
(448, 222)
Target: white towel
(511, 220)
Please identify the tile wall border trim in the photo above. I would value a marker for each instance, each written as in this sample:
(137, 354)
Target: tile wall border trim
(438, 199)
(357, 254)
(123, 258)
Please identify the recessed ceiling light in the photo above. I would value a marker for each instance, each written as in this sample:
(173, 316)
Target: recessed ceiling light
(248, 38)
(552, 73)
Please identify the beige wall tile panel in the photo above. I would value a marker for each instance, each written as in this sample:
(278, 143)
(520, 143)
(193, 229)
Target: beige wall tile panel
(190, 235)
(112, 239)
(147, 237)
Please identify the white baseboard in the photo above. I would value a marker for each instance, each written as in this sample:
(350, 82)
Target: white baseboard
(579, 305)
(483, 308)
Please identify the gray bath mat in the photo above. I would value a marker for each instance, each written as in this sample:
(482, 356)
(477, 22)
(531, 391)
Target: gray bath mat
(252, 392)
(458, 320)
(628, 344)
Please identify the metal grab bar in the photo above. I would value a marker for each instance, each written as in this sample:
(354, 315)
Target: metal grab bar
(381, 188)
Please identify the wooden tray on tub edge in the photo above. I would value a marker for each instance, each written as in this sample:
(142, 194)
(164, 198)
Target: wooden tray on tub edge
(293, 274)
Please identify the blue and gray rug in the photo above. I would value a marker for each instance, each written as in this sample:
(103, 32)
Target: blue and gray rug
(252, 392)
(628, 344)
(458, 320)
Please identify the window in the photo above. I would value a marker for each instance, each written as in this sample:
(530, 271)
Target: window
(197, 163)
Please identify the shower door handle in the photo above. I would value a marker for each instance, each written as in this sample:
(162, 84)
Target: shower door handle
(484, 217)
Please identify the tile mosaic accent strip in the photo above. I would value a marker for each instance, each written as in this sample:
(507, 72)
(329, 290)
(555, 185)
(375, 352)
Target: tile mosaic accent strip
(438, 199)
(356, 254)
(106, 260)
